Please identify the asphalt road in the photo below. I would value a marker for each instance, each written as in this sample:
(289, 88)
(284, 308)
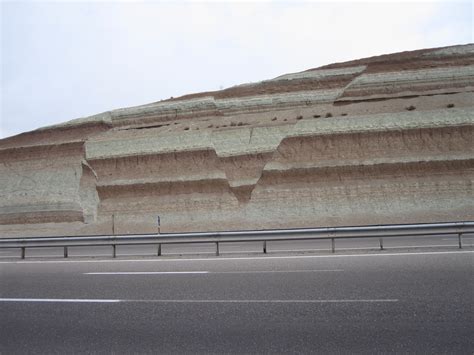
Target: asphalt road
(312, 246)
(417, 302)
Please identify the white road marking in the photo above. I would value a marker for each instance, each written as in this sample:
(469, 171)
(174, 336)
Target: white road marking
(269, 301)
(203, 272)
(381, 254)
(147, 273)
(455, 239)
(60, 255)
(365, 248)
(76, 300)
(69, 300)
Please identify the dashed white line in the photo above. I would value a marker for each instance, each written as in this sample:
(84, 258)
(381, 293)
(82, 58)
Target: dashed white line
(147, 273)
(203, 272)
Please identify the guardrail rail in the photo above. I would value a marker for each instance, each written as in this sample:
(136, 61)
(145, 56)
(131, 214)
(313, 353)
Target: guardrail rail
(264, 236)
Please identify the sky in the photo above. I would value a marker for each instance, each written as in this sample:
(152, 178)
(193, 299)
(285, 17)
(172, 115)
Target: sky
(62, 60)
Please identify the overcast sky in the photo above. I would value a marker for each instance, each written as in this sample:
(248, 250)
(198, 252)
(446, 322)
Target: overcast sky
(62, 60)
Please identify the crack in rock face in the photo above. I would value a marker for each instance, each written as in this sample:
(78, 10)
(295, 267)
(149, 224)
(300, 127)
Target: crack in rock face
(243, 173)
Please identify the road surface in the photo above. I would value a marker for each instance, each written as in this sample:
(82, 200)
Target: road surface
(392, 302)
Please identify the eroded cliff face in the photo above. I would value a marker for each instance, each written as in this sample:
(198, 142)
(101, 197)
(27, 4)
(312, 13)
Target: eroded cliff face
(386, 139)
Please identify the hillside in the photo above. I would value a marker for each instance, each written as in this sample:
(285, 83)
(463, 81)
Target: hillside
(387, 139)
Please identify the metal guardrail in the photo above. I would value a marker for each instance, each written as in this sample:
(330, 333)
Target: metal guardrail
(264, 236)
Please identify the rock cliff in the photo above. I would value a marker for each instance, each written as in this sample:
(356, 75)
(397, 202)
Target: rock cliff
(386, 139)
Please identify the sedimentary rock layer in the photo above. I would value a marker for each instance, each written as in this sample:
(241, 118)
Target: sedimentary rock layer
(386, 139)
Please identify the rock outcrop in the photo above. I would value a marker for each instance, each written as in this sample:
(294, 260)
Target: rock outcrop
(387, 139)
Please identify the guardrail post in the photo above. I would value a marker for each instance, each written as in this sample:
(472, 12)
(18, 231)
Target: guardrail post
(114, 251)
(381, 243)
(460, 240)
(23, 252)
(217, 248)
(333, 245)
(264, 247)
(159, 249)
(65, 252)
